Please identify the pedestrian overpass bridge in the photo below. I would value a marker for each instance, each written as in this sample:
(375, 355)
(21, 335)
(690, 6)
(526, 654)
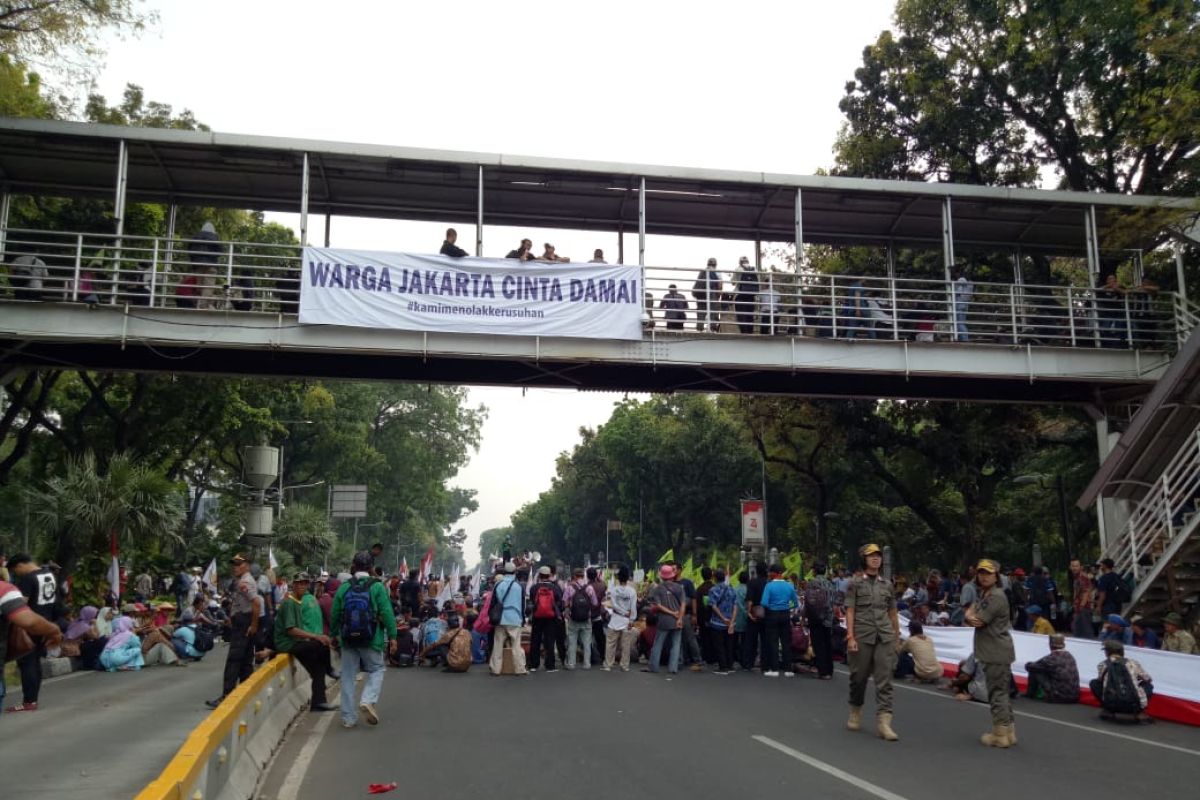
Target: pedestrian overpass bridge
(902, 327)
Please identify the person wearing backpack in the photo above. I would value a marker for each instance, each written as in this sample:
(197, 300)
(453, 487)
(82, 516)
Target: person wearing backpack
(1111, 592)
(819, 593)
(994, 651)
(545, 603)
(1122, 685)
(507, 614)
(580, 601)
(366, 626)
(188, 640)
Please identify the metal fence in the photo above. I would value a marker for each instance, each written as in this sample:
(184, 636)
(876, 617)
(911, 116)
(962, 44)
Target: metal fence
(202, 273)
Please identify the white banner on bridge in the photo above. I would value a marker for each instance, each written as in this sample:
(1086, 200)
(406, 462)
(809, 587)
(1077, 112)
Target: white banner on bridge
(370, 289)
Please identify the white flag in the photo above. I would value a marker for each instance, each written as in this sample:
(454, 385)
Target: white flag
(209, 578)
(271, 562)
(114, 578)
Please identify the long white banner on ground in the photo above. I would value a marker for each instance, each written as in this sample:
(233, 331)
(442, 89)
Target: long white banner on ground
(1176, 688)
(372, 289)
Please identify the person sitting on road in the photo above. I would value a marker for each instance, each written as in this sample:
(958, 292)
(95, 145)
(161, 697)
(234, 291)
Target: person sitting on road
(1054, 677)
(183, 639)
(1142, 636)
(1037, 621)
(455, 646)
(918, 657)
(1177, 639)
(123, 652)
(1116, 628)
(969, 683)
(1122, 685)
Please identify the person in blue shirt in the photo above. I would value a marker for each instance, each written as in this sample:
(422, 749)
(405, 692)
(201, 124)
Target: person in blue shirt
(779, 598)
(1116, 627)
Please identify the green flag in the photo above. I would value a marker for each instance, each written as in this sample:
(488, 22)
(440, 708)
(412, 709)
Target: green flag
(667, 556)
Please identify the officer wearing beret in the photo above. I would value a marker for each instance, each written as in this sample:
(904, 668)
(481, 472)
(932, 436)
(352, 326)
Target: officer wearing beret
(994, 652)
(873, 632)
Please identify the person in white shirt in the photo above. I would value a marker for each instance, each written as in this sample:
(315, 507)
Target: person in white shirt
(620, 632)
(963, 290)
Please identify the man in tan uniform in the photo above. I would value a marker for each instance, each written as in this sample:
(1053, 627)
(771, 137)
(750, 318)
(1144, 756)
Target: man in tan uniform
(872, 632)
(994, 653)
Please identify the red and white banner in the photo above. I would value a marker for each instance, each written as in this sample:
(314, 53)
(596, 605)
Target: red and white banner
(752, 522)
(1176, 684)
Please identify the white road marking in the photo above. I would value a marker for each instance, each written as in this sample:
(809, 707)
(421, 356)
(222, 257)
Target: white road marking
(1063, 722)
(290, 789)
(829, 769)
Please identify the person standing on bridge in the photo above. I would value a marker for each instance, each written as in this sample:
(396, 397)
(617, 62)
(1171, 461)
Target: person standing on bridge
(449, 248)
(994, 652)
(245, 608)
(873, 631)
(746, 298)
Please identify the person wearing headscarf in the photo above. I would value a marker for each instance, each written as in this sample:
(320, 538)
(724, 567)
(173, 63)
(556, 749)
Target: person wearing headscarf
(123, 651)
(103, 623)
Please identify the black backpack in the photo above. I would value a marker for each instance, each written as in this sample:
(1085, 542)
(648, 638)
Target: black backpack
(1119, 693)
(496, 607)
(816, 601)
(581, 605)
(204, 639)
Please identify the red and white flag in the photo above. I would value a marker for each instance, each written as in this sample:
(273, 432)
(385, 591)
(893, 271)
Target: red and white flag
(427, 564)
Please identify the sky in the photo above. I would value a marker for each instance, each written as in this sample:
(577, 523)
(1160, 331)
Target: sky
(749, 85)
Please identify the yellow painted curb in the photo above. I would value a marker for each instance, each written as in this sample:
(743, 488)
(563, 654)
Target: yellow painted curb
(176, 780)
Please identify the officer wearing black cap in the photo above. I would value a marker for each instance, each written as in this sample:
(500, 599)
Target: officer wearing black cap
(245, 606)
(872, 633)
(994, 652)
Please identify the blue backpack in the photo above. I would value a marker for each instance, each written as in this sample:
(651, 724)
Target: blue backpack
(358, 618)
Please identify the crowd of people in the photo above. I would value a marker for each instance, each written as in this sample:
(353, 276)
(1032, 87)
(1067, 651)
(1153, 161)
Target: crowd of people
(527, 618)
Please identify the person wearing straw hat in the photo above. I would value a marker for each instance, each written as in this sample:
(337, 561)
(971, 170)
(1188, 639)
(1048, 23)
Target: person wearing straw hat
(994, 652)
(872, 633)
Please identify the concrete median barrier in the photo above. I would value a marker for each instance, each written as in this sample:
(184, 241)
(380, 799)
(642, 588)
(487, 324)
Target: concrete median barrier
(224, 756)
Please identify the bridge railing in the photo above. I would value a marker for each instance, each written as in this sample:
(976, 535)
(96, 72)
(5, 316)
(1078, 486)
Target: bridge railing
(255, 277)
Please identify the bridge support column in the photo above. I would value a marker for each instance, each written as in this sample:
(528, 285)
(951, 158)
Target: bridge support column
(479, 216)
(304, 202)
(799, 231)
(119, 215)
(642, 226)
(5, 206)
(1179, 276)
(1111, 515)
(328, 218)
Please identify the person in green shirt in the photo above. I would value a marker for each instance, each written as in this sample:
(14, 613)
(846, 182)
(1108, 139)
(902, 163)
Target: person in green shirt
(298, 633)
(362, 608)
(994, 651)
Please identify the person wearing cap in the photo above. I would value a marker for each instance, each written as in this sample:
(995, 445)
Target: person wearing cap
(872, 634)
(511, 596)
(1114, 657)
(370, 658)
(1177, 640)
(994, 652)
(1054, 677)
(298, 634)
(674, 307)
(746, 295)
(1037, 621)
(706, 291)
(1116, 627)
(245, 608)
(545, 602)
(667, 600)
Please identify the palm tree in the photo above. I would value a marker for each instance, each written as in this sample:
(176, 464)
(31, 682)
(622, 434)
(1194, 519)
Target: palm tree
(87, 505)
(304, 532)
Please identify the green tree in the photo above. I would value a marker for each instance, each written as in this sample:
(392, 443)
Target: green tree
(92, 501)
(305, 533)
(65, 30)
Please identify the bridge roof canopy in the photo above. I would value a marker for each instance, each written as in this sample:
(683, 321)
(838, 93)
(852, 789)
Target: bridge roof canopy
(265, 173)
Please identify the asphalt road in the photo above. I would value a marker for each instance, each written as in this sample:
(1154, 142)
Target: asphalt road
(593, 734)
(101, 735)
